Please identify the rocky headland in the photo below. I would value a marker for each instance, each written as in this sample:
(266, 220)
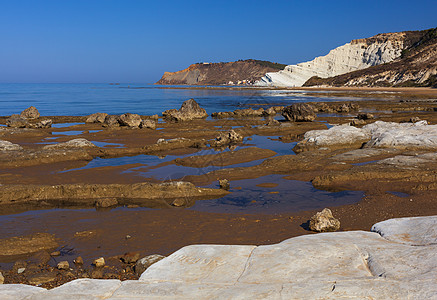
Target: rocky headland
(240, 72)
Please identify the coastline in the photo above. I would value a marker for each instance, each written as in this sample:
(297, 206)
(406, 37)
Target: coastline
(165, 230)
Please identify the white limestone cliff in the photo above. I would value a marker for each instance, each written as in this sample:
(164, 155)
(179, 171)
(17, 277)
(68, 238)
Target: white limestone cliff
(356, 55)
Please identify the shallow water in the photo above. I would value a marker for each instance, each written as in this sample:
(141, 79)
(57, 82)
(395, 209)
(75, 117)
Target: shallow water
(287, 197)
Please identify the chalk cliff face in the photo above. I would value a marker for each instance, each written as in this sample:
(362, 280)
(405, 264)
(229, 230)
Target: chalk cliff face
(238, 72)
(417, 66)
(356, 55)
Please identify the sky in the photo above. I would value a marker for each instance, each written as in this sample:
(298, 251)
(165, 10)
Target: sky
(134, 41)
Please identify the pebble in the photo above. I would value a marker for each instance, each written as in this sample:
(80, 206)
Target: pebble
(21, 270)
(63, 265)
(55, 253)
(2, 279)
(99, 262)
(78, 260)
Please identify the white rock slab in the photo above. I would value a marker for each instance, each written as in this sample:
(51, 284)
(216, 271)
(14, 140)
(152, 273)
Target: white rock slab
(397, 261)
(419, 231)
(18, 291)
(81, 289)
(201, 264)
(341, 134)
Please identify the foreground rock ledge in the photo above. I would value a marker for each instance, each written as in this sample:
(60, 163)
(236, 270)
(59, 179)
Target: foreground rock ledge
(396, 261)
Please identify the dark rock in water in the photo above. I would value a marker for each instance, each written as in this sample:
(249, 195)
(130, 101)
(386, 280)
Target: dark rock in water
(15, 121)
(30, 113)
(148, 124)
(130, 257)
(299, 112)
(224, 184)
(365, 116)
(324, 221)
(145, 262)
(189, 110)
(96, 118)
(130, 120)
(41, 258)
(111, 121)
(106, 202)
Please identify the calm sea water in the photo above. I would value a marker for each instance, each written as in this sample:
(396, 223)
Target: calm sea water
(84, 99)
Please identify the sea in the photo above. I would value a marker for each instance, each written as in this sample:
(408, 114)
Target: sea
(84, 99)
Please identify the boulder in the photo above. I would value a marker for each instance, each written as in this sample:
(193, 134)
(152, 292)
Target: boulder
(299, 112)
(324, 221)
(145, 262)
(30, 113)
(8, 146)
(96, 118)
(148, 124)
(189, 110)
(72, 144)
(130, 120)
(226, 138)
(111, 121)
(269, 111)
(15, 121)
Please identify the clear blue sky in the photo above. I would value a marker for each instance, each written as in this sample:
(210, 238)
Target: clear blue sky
(136, 41)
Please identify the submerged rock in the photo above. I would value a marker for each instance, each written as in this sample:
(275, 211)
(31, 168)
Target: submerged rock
(76, 143)
(106, 202)
(30, 113)
(27, 244)
(299, 112)
(324, 221)
(189, 110)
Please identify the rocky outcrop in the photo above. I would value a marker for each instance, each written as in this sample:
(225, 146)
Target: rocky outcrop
(72, 144)
(8, 146)
(238, 72)
(96, 118)
(189, 110)
(356, 55)
(299, 112)
(416, 66)
(397, 259)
